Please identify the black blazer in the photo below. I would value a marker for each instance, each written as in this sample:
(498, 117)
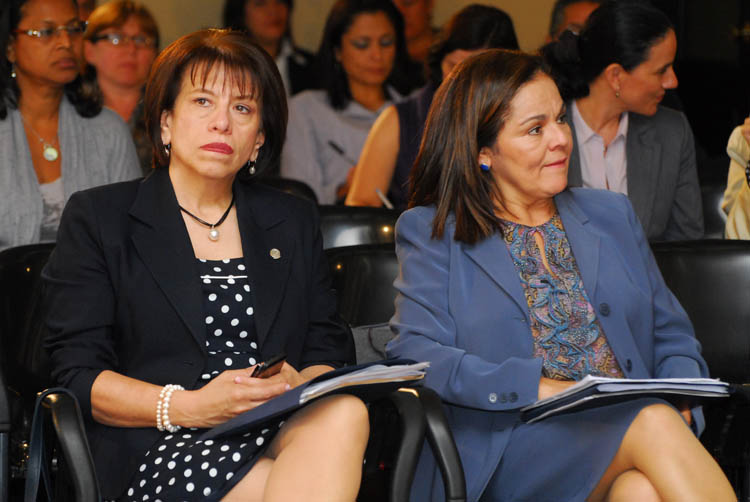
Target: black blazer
(123, 294)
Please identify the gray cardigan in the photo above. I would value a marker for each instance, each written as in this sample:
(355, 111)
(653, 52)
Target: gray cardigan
(95, 151)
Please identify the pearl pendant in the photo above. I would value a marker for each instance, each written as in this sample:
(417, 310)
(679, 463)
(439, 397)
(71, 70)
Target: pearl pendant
(213, 234)
(50, 153)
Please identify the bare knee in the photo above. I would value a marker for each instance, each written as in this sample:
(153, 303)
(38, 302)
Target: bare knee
(658, 419)
(345, 413)
(632, 485)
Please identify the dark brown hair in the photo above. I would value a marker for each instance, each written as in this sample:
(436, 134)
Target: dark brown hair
(244, 64)
(467, 114)
(115, 14)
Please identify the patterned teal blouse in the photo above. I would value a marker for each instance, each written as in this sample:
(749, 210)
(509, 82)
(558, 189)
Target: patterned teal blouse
(566, 332)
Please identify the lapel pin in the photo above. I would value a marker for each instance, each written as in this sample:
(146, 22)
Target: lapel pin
(275, 253)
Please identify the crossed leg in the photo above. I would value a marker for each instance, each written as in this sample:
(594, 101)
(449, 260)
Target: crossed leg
(660, 459)
(316, 456)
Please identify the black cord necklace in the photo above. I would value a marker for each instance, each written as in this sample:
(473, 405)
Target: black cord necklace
(213, 233)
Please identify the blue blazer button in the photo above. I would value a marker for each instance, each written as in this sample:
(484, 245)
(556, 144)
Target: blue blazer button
(604, 309)
(513, 397)
(492, 398)
(628, 365)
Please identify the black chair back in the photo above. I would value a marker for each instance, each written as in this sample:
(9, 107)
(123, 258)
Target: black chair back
(22, 357)
(363, 277)
(711, 279)
(352, 226)
(714, 218)
(294, 187)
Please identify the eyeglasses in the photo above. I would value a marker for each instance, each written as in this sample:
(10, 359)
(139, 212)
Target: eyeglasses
(121, 40)
(74, 29)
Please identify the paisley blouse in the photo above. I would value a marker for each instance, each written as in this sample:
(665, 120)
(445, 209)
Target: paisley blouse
(566, 332)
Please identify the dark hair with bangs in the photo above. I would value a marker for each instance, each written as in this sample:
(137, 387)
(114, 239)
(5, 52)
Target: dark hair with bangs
(467, 114)
(473, 27)
(83, 100)
(342, 15)
(233, 16)
(244, 64)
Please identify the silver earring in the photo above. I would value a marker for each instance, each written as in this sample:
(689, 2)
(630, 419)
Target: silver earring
(250, 165)
(617, 94)
(168, 149)
(13, 70)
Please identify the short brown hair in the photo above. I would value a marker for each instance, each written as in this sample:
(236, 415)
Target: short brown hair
(116, 13)
(244, 64)
(468, 112)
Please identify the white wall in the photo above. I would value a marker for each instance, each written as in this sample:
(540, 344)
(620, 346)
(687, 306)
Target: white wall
(177, 17)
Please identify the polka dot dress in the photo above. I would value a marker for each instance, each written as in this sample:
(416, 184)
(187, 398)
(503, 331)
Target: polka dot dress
(179, 466)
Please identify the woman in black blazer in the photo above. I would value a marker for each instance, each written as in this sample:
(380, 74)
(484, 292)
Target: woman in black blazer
(188, 279)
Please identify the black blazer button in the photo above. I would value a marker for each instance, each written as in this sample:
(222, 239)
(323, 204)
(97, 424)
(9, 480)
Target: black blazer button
(513, 397)
(503, 398)
(604, 309)
(629, 365)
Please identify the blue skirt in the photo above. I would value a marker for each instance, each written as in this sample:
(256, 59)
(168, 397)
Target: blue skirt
(562, 458)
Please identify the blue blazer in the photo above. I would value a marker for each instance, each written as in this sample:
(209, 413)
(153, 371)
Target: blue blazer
(462, 308)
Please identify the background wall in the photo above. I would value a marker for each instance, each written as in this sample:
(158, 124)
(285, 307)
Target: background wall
(177, 17)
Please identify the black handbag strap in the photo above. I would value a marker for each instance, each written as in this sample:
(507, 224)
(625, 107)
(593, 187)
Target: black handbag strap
(38, 465)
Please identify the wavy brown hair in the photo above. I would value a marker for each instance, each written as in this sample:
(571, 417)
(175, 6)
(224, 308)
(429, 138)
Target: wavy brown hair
(467, 114)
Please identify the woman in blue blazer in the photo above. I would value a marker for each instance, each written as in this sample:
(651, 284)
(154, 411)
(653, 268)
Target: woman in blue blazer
(165, 294)
(514, 287)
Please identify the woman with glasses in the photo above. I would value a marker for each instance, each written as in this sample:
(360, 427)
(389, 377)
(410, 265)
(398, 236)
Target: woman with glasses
(54, 138)
(120, 45)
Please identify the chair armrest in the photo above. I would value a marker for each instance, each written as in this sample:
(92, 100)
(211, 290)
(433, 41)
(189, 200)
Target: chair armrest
(410, 412)
(68, 423)
(443, 447)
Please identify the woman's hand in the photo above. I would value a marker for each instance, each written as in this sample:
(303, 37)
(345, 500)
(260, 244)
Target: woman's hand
(549, 387)
(226, 396)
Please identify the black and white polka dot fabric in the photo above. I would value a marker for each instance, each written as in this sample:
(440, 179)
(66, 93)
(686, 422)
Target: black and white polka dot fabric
(179, 466)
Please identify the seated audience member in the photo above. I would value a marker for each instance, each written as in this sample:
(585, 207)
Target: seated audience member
(613, 77)
(268, 24)
(514, 287)
(120, 45)
(736, 203)
(192, 276)
(570, 15)
(419, 35)
(327, 127)
(393, 142)
(54, 138)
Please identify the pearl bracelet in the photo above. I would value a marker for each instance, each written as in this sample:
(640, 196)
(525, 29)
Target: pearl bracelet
(162, 408)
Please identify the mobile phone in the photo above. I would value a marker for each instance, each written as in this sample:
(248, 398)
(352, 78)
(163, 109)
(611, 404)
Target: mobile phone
(269, 367)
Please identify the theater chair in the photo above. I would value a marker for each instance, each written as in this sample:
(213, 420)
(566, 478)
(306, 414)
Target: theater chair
(711, 279)
(352, 226)
(290, 186)
(24, 367)
(363, 278)
(24, 371)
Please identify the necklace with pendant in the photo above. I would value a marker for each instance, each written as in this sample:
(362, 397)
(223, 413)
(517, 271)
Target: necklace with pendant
(49, 152)
(213, 233)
